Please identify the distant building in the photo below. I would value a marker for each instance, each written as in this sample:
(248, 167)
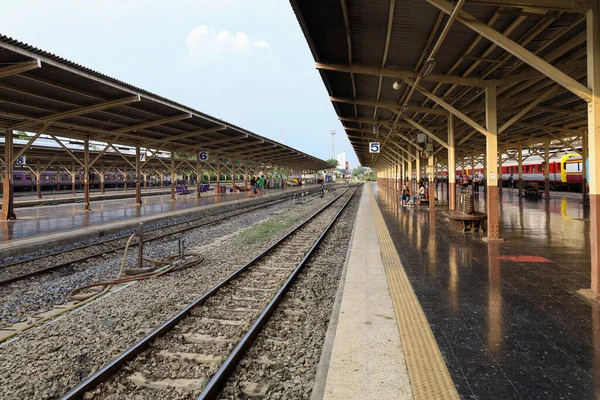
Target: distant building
(341, 159)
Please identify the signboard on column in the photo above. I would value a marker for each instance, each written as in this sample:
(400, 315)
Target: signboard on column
(374, 147)
(203, 156)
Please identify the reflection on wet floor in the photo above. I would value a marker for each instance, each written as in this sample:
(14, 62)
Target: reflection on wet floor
(34, 221)
(506, 315)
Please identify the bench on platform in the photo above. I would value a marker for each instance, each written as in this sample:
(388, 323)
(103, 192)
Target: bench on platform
(421, 202)
(532, 192)
(182, 190)
(466, 219)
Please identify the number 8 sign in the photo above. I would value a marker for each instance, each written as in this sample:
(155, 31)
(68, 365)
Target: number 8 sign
(203, 156)
(374, 147)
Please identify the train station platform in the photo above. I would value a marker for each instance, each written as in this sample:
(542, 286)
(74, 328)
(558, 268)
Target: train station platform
(38, 223)
(29, 199)
(506, 317)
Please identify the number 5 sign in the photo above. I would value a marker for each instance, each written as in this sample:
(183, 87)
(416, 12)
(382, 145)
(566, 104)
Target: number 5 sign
(374, 147)
(203, 156)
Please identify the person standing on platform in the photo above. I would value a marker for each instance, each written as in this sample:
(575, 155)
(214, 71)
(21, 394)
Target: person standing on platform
(511, 183)
(261, 184)
(405, 198)
(252, 186)
(476, 184)
(465, 182)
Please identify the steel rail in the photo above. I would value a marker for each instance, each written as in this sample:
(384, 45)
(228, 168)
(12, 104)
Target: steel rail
(236, 212)
(213, 389)
(104, 373)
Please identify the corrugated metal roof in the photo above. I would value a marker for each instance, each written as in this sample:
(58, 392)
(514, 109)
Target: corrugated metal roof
(62, 85)
(464, 53)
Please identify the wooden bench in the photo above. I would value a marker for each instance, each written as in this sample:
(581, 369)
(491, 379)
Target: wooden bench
(466, 219)
(532, 192)
(420, 202)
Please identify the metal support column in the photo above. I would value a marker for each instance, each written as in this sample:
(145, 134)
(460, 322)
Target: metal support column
(584, 168)
(173, 176)
(547, 170)
(233, 179)
(86, 174)
(485, 169)
(102, 178)
(492, 162)
(520, 169)
(218, 183)
(593, 81)
(500, 173)
(38, 179)
(451, 165)
(418, 179)
(8, 212)
(431, 176)
(138, 186)
(73, 179)
(198, 177)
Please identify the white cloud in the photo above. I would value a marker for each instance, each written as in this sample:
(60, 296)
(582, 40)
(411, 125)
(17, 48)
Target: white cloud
(261, 44)
(204, 40)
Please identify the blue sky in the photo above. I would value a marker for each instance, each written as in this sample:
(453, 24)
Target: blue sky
(246, 62)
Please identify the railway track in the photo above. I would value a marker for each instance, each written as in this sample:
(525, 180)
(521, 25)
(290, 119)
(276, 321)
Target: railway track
(69, 257)
(198, 349)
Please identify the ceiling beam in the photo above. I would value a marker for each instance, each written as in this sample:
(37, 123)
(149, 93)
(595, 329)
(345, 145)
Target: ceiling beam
(19, 68)
(517, 50)
(78, 111)
(188, 135)
(407, 74)
(425, 131)
(580, 6)
(152, 123)
(390, 106)
(451, 109)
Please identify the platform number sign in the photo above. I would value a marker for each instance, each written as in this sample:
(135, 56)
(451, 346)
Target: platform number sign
(21, 160)
(142, 157)
(374, 147)
(203, 156)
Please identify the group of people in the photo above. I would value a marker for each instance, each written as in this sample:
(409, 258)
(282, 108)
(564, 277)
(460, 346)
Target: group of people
(257, 186)
(405, 199)
(477, 181)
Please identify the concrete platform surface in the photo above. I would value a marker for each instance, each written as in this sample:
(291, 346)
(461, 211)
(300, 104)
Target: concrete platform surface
(383, 347)
(507, 316)
(367, 360)
(44, 220)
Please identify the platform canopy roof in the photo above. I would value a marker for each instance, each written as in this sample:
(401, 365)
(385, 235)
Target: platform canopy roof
(44, 93)
(442, 55)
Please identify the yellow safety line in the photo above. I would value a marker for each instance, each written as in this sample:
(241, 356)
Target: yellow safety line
(429, 375)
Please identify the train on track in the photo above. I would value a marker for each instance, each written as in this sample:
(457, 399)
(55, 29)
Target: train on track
(25, 180)
(565, 172)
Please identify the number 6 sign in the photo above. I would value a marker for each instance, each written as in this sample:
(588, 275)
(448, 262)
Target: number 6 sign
(203, 156)
(374, 147)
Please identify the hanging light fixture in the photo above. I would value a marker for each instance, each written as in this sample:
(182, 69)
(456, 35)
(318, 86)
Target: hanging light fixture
(427, 68)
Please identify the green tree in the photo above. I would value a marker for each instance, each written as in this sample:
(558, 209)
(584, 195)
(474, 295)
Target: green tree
(333, 161)
(358, 171)
(20, 135)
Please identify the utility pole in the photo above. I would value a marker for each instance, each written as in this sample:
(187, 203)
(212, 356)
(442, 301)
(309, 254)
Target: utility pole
(332, 143)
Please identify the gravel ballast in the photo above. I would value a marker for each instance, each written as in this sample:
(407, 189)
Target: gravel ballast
(48, 360)
(24, 299)
(283, 361)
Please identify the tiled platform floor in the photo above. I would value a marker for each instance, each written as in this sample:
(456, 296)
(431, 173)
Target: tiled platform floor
(40, 220)
(506, 315)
